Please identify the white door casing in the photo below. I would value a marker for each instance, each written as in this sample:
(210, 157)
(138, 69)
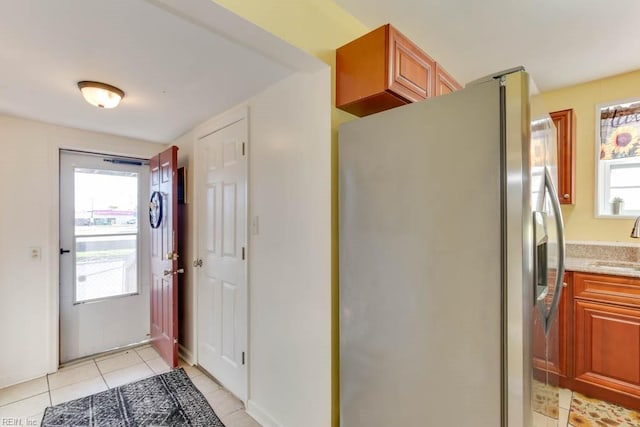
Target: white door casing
(222, 247)
(105, 323)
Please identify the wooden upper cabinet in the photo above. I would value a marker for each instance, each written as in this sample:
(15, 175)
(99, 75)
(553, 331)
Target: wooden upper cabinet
(444, 82)
(565, 122)
(382, 70)
(411, 71)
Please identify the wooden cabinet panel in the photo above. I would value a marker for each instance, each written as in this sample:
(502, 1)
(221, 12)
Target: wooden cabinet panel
(412, 71)
(604, 342)
(607, 346)
(565, 122)
(603, 288)
(361, 75)
(382, 70)
(444, 82)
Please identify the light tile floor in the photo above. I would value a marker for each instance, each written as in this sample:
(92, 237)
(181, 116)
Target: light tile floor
(24, 404)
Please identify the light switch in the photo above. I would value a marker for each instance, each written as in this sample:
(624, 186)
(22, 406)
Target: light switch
(255, 226)
(34, 252)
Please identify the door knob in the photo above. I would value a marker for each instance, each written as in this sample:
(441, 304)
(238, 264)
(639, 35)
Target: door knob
(566, 196)
(170, 272)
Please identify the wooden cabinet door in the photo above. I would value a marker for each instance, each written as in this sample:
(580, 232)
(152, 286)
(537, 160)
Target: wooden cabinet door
(565, 126)
(411, 71)
(444, 82)
(607, 347)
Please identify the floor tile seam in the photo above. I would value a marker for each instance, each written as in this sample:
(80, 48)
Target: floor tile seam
(101, 374)
(25, 398)
(146, 362)
(237, 410)
(77, 382)
(144, 348)
(49, 390)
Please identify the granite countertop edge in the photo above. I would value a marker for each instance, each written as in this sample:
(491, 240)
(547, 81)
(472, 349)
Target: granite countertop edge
(585, 265)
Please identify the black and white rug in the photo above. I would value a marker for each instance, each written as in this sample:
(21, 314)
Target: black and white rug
(168, 399)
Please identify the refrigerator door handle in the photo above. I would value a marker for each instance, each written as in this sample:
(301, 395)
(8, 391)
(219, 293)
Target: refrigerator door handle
(557, 213)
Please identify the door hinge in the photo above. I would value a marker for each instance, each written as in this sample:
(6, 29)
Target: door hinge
(243, 148)
(243, 357)
(243, 254)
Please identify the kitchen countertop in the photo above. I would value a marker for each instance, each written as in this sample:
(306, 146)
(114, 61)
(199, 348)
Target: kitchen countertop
(613, 258)
(587, 265)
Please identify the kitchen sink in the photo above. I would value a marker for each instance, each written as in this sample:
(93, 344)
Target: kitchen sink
(617, 265)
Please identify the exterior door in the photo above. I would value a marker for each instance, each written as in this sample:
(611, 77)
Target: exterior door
(222, 279)
(163, 222)
(104, 279)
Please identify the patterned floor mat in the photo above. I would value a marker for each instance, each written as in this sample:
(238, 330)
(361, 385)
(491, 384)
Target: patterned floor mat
(587, 412)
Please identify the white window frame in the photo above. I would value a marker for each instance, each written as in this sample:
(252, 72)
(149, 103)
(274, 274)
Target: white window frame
(602, 199)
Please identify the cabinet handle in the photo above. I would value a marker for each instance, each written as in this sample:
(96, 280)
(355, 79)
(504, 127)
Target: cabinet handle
(566, 196)
(564, 284)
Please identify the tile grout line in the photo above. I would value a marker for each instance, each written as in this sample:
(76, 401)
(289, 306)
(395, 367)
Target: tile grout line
(146, 362)
(101, 374)
(25, 398)
(49, 390)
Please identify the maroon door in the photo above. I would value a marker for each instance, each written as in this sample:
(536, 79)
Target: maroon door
(163, 208)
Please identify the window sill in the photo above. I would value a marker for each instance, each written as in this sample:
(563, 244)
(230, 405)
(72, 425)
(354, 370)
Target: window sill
(621, 216)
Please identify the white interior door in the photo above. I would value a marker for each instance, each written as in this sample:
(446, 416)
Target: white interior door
(222, 279)
(104, 284)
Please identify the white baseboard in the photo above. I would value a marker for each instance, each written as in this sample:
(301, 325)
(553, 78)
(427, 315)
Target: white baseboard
(261, 416)
(185, 354)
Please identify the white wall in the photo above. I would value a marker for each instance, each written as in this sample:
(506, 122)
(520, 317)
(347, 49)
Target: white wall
(29, 189)
(290, 259)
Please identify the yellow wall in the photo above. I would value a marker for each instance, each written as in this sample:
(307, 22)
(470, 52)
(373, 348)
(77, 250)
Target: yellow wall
(317, 27)
(580, 220)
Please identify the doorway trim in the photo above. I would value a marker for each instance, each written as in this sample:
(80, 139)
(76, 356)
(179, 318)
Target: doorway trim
(108, 145)
(207, 128)
(68, 161)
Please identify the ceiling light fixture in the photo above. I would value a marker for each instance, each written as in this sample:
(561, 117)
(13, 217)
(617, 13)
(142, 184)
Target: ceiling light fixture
(100, 94)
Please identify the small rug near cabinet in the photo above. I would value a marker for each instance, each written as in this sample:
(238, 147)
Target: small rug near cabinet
(168, 399)
(587, 412)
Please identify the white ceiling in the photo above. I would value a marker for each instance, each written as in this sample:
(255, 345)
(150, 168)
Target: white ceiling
(560, 42)
(175, 71)
(183, 61)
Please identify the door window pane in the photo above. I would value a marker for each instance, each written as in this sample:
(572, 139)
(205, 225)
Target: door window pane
(106, 233)
(106, 266)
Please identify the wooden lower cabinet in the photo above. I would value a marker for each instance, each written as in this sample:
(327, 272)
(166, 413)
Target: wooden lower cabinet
(606, 339)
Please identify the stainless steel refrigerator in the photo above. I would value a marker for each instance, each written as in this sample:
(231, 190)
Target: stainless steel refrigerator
(451, 261)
